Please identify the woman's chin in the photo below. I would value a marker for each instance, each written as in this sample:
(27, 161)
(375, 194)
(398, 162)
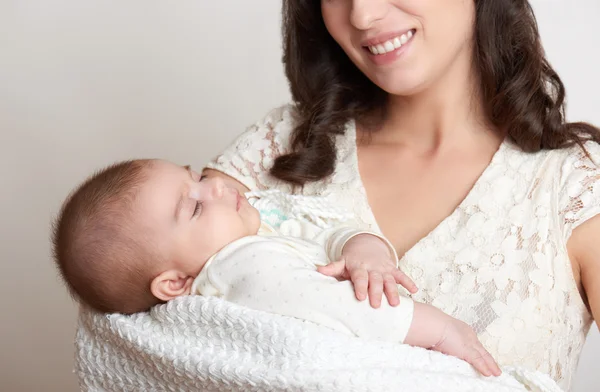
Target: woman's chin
(400, 82)
(403, 88)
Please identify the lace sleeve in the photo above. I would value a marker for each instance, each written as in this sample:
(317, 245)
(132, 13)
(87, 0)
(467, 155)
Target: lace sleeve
(251, 155)
(579, 194)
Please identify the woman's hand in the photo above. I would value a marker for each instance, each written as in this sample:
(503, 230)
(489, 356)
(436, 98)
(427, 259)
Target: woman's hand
(366, 260)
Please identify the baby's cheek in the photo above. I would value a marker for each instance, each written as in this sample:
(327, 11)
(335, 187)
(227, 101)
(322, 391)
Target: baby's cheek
(255, 223)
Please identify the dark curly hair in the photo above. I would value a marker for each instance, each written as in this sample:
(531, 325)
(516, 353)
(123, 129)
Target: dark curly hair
(521, 91)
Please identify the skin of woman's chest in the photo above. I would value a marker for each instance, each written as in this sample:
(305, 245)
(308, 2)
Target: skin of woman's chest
(410, 194)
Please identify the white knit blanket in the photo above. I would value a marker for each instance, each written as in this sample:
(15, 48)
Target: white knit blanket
(207, 344)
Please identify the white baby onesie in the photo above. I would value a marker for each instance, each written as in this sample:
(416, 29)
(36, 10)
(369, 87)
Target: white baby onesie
(275, 271)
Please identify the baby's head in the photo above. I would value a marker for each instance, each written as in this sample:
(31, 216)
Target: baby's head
(137, 233)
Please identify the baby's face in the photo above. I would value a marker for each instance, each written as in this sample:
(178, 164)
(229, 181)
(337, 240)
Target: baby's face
(193, 217)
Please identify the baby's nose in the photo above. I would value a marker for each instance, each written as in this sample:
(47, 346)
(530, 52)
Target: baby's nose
(218, 187)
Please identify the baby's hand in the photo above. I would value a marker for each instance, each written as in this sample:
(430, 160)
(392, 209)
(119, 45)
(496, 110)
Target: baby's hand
(367, 261)
(459, 340)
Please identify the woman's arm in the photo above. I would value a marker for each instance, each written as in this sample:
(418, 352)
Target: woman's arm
(584, 251)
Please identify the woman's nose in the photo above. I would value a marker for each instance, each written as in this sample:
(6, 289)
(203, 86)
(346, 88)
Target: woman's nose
(365, 13)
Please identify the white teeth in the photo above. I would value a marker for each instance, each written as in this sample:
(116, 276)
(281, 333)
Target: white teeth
(392, 44)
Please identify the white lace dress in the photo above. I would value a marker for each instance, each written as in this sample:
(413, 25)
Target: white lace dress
(498, 262)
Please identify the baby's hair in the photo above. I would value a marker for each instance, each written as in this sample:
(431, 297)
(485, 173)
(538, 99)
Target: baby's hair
(102, 253)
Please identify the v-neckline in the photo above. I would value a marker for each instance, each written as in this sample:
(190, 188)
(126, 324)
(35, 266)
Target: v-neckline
(351, 129)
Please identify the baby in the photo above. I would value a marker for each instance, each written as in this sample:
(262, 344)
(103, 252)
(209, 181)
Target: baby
(143, 232)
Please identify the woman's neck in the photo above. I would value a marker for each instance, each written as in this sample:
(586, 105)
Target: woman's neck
(447, 113)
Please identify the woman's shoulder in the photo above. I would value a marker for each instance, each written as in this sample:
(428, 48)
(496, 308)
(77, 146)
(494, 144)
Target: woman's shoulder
(578, 185)
(567, 175)
(250, 156)
(587, 154)
(271, 134)
(281, 120)
(578, 170)
(576, 162)
(572, 175)
(284, 113)
(562, 161)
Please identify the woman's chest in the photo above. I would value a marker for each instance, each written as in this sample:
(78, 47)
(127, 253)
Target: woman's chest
(410, 196)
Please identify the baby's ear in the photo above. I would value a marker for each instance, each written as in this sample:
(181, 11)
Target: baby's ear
(171, 284)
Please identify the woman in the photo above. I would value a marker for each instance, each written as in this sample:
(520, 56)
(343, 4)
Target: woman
(440, 123)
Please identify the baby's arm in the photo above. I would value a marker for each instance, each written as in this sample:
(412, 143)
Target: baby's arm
(370, 261)
(366, 258)
(433, 329)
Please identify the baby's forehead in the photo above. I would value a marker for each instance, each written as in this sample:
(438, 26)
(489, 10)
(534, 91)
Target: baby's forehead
(161, 190)
(161, 165)
(144, 219)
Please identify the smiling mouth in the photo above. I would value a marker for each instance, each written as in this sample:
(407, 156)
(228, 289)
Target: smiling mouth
(391, 44)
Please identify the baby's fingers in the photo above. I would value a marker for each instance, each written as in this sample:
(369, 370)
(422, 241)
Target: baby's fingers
(335, 269)
(491, 363)
(391, 290)
(403, 280)
(360, 280)
(479, 362)
(375, 289)
(484, 362)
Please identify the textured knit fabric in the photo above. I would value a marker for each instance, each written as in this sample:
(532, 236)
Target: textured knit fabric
(498, 262)
(205, 344)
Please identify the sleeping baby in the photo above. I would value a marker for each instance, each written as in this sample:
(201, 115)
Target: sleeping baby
(143, 232)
